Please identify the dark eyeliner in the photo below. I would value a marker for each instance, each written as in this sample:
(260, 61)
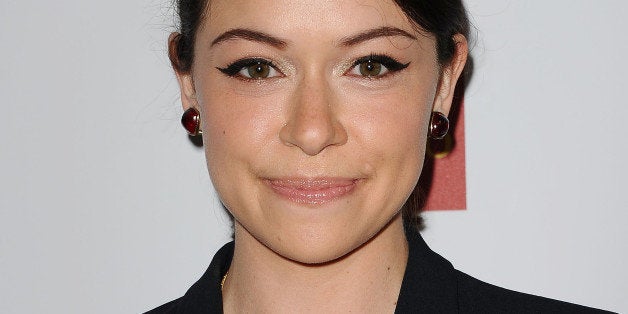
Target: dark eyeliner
(391, 64)
(234, 68)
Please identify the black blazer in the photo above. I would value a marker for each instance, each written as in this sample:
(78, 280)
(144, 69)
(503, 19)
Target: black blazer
(430, 285)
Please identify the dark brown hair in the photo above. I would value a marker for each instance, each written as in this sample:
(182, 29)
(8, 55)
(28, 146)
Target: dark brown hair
(441, 18)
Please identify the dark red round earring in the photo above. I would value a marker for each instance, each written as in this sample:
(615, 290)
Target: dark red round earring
(439, 125)
(191, 121)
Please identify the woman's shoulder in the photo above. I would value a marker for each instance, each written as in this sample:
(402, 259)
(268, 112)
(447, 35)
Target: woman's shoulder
(167, 308)
(432, 284)
(205, 295)
(476, 296)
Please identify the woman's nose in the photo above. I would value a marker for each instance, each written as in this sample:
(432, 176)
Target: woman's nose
(312, 124)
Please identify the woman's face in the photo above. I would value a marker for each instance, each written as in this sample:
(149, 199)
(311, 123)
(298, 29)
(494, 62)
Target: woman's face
(314, 117)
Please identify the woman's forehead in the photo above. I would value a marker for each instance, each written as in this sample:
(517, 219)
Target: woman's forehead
(336, 18)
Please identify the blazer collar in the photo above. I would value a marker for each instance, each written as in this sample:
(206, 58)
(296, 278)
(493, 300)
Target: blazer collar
(429, 283)
(205, 296)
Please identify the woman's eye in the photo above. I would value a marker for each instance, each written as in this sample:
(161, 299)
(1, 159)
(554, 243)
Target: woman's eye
(376, 66)
(252, 69)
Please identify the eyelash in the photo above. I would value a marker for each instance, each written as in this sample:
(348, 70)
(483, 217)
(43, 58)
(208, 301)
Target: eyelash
(234, 69)
(390, 66)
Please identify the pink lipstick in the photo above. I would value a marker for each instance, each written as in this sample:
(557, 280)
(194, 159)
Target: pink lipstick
(312, 191)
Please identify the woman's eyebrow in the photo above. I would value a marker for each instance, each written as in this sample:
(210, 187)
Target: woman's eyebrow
(384, 31)
(253, 35)
(249, 34)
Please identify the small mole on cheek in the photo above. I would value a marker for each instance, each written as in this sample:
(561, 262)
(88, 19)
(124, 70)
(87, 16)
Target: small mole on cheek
(223, 132)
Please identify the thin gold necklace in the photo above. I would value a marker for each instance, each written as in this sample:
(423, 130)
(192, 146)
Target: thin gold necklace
(224, 278)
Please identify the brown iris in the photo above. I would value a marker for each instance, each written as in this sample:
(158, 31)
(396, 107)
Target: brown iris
(258, 70)
(370, 68)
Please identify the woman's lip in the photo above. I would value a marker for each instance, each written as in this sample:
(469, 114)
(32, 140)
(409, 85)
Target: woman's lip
(312, 191)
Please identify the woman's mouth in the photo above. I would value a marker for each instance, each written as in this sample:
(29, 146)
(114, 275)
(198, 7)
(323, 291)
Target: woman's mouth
(312, 191)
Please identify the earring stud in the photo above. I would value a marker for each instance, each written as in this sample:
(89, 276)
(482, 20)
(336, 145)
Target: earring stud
(191, 121)
(439, 126)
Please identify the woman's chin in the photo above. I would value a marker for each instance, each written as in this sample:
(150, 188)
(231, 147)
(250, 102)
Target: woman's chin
(316, 252)
(316, 248)
(318, 244)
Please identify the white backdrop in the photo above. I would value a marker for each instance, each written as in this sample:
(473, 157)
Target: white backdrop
(106, 207)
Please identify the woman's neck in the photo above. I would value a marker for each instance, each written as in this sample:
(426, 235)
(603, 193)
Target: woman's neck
(365, 280)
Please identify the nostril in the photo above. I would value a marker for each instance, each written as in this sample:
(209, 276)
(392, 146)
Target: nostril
(312, 136)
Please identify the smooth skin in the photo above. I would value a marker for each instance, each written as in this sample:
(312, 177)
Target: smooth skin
(306, 114)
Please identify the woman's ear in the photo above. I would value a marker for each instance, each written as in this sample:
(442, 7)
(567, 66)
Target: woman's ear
(186, 83)
(450, 74)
